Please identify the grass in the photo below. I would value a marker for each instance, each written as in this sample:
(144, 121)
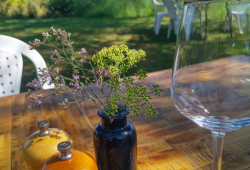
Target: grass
(96, 33)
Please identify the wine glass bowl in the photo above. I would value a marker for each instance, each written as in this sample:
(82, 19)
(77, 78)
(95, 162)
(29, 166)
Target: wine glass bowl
(211, 74)
(214, 94)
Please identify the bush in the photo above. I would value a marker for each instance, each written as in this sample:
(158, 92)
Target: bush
(80, 8)
(114, 8)
(57, 8)
(22, 8)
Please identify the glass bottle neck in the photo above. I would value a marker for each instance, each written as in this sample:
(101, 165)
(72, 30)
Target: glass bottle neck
(113, 124)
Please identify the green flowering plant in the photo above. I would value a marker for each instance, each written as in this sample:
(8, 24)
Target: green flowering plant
(107, 73)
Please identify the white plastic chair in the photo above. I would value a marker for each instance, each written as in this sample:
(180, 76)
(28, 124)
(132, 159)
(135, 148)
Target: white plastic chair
(192, 15)
(11, 64)
(158, 16)
(239, 16)
(175, 19)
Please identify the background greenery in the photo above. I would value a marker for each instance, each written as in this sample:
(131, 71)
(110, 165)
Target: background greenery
(75, 8)
(100, 24)
(94, 24)
(96, 33)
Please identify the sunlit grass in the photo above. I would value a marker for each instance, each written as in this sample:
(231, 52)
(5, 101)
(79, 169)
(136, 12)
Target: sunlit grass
(96, 33)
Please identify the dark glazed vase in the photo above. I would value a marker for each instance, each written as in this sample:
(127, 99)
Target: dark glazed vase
(115, 143)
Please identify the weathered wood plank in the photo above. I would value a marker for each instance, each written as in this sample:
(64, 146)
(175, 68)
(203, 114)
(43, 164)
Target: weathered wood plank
(165, 156)
(168, 132)
(85, 130)
(189, 136)
(5, 114)
(17, 160)
(185, 163)
(154, 147)
(67, 120)
(18, 133)
(18, 102)
(35, 111)
(168, 142)
(203, 158)
(48, 112)
(5, 150)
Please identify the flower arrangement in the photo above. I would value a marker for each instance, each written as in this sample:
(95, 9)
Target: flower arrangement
(107, 73)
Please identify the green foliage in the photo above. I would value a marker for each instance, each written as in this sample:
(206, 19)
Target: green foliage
(114, 8)
(59, 8)
(79, 8)
(112, 64)
(118, 59)
(22, 8)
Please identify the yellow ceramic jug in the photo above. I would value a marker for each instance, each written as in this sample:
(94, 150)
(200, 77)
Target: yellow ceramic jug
(41, 145)
(70, 159)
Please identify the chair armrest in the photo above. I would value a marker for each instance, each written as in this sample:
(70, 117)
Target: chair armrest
(158, 3)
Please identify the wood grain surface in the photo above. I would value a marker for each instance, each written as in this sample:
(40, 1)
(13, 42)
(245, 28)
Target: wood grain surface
(167, 142)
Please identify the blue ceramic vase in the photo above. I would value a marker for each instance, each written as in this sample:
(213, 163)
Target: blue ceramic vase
(115, 142)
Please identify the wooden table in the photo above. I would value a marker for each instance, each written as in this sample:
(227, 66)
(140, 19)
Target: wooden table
(168, 142)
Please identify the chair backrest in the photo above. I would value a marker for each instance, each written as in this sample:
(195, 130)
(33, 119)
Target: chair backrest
(171, 8)
(13, 47)
(156, 3)
(11, 67)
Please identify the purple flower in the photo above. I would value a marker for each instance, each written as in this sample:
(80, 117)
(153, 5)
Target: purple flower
(47, 75)
(72, 89)
(76, 84)
(84, 51)
(76, 77)
(59, 29)
(36, 84)
(96, 84)
(38, 101)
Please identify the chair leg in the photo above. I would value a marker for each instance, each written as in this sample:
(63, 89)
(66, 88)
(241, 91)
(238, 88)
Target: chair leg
(157, 26)
(157, 30)
(155, 22)
(225, 24)
(169, 28)
(201, 28)
(238, 18)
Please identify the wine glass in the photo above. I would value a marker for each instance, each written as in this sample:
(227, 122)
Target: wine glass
(211, 74)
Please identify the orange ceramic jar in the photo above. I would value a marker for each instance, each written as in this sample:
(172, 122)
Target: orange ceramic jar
(69, 159)
(42, 144)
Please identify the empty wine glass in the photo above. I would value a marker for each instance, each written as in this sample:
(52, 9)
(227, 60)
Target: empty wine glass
(211, 73)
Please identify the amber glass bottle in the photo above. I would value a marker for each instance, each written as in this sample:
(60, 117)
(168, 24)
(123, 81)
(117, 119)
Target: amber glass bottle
(41, 145)
(69, 159)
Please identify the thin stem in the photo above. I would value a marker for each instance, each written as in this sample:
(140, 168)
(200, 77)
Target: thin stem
(91, 99)
(218, 139)
(109, 93)
(94, 94)
(93, 71)
(52, 46)
(116, 85)
(123, 107)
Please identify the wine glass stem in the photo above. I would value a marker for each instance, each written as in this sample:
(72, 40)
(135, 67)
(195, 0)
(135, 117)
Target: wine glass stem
(218, 139)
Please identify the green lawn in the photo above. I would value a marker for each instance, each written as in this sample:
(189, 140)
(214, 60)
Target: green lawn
(96, 33)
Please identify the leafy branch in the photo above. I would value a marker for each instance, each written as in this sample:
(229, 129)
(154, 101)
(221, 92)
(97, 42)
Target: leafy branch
(112, 63)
